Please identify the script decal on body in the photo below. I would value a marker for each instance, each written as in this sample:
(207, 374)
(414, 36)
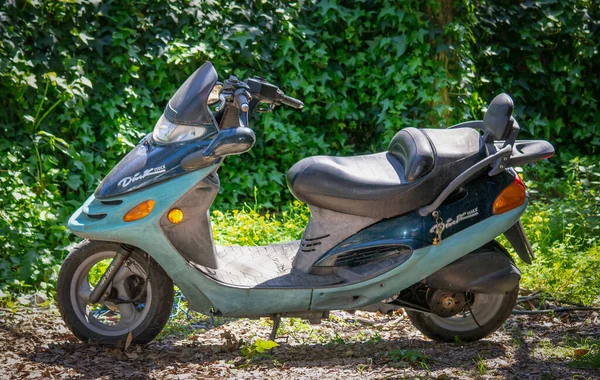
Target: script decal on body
(454, 221)
(126, 181)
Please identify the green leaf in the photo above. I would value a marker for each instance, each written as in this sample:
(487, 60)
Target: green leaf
(74, 181)
(264, 345)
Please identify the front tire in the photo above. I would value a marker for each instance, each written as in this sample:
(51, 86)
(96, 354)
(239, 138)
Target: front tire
(109, 322)
(490, 310)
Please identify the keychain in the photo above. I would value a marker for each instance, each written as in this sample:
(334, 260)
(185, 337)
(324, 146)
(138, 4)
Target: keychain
(439, 227)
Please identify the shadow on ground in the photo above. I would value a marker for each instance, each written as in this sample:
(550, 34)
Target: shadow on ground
(39, 344)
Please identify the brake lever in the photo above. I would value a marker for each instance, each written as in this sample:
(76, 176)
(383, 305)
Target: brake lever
(223, 99)
(263, 110)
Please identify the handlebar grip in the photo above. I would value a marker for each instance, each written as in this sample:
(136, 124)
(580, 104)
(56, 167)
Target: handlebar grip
(242, 101)
(292, 102)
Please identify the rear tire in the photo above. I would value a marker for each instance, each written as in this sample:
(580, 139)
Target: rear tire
(143, 319)
(490, 310)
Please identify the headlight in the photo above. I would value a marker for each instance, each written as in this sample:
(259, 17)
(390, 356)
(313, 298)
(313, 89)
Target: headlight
(167, 132)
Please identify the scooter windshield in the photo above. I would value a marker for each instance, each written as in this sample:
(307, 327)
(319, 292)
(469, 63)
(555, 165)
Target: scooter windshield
(187, 115)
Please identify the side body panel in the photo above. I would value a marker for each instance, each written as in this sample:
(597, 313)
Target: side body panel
(420, 265)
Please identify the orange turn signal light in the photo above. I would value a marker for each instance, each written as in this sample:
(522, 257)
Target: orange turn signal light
(175, 216)
(140, 211)
(511, 197)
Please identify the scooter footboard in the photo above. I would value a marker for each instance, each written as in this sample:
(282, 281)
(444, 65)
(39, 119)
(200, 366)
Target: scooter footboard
(488, 269)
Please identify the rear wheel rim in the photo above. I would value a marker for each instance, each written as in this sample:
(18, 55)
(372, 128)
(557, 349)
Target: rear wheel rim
(484, 307)
(131, 315)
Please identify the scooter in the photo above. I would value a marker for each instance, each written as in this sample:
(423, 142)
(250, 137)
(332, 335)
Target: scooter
(411, 227)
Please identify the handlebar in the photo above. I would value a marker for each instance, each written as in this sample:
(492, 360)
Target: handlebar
(291, 102)
(241, 100)
(265, 92)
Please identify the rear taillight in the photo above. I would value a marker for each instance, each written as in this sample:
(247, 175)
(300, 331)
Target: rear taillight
(511, 197)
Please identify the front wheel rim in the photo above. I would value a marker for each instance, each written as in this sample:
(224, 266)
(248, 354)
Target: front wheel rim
(130, 315)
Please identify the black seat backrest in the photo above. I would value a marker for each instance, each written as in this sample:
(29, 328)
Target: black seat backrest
(497, 119)
(413, 149)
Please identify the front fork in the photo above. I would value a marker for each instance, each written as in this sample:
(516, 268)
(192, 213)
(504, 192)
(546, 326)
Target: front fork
(122, 255)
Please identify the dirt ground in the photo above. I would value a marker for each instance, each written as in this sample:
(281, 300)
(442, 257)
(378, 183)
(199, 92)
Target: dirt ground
(34, 343)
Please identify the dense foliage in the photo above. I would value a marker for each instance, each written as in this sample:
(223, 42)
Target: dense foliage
(82, 81)
(545, 54)
(563, 224)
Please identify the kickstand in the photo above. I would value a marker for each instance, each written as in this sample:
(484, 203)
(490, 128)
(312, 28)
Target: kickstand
(276, 321)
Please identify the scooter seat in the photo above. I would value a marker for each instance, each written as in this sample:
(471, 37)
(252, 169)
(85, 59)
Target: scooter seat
(418, 165)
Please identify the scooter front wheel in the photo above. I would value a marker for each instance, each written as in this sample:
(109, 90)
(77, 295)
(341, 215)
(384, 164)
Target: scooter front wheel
(128, 306)
(485, 315)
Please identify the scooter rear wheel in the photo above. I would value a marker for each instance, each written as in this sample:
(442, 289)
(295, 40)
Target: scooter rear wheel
(110, 322)
(490, 311)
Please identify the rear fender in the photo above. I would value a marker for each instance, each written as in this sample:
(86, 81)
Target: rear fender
(488, 269)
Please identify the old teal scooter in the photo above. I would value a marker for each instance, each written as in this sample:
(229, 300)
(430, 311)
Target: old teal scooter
(413, 226)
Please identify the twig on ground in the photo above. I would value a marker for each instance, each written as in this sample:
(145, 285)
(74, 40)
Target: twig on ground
(364, 321)
(538, 294)
(531, 297)
(530, 294)
(555, 310)
(568, 302)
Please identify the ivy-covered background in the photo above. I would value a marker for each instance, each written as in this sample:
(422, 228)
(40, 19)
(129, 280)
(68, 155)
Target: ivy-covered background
(82, 81)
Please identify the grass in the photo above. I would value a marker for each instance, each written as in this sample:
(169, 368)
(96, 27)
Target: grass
(411, 357)
(580, 352)
(480, 365)
(249, 226)
(563, 225)
(185, 323)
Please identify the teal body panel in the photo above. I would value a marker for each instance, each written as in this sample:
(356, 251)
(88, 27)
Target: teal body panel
(421, 264)
(206, 294)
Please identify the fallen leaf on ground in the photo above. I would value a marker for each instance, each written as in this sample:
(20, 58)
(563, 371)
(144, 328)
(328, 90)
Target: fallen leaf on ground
(128, 340)
(580, 352)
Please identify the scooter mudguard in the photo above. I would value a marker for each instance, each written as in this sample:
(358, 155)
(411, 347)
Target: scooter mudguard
(488, 269)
